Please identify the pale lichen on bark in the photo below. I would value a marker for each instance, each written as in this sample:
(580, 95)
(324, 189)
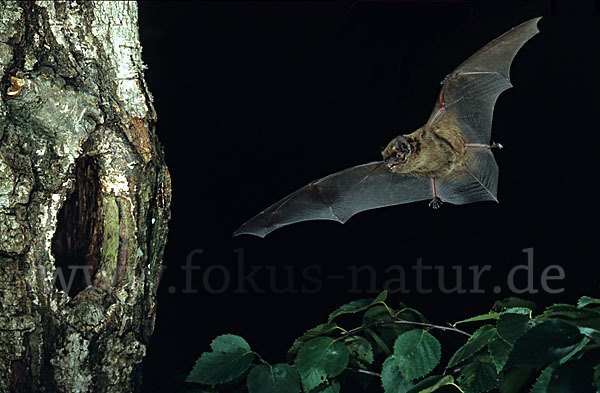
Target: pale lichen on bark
(82, 181)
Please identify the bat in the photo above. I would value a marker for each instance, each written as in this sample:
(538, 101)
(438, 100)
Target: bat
(449, 159)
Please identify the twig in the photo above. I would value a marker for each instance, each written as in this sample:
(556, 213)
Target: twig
(358, 370)
(403, 322)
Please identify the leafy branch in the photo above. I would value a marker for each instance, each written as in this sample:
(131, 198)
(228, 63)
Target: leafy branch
(394, 351)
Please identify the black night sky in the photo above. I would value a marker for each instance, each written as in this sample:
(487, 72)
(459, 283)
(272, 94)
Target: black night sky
(256, 99)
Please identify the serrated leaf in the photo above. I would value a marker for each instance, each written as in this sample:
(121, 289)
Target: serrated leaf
(542, 381)
(280, 378)
(357, 306)
(432, 383)
(360, 349)
(319, 330)
(575, 376)
(230, 358)
(544, 343)
(579, 316)
(478, 318)
(511, 302)
(478, 377)
(511, 326)
(391, 379)
(586, 300)
(514, 380)
(476, 342)
(416, 353)
(499, 351)
(320, 358)
(229, 343)
(518, 310)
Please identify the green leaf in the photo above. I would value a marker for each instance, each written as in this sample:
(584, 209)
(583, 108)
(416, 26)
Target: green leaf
(586, 300)
(514, 380)
(410, 314)
(360, 349)
(518, 310)
(511, 302)
(319, 330)
(416, 353)
(357, 306)
(499, 351)
(476, 342)
(197, 389)
(579, 316)
(329, 387)
(541, 384)
(544, 343)
(584, 341)
(494, 315)
(230, 358)
(575, 376)
(384, 335)
(432, 383)
(319, 359)
(482, 317)
(280, 378)
(512, 326)
(391, 379)
(478, 377)
(382, 346)
(591, 333)
(229, 343)
(375, 314)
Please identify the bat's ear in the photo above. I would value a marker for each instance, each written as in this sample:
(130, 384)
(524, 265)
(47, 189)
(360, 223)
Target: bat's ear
(402, 145)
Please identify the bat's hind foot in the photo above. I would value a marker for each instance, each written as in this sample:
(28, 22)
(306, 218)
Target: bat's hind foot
(435, 203)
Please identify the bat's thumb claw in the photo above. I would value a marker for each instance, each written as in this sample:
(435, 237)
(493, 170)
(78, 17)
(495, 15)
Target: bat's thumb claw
(497, 145)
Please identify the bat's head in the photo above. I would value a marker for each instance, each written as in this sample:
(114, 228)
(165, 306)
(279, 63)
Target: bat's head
(396, 153)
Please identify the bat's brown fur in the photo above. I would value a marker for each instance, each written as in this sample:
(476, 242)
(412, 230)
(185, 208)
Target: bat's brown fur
(437, 151)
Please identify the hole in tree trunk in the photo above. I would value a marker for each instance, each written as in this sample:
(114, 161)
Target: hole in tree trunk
(78, 238)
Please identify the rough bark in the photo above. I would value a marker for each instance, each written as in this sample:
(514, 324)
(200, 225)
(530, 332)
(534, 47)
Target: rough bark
(83, 188)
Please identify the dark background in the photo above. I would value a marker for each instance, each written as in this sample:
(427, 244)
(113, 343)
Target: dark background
(256, 99)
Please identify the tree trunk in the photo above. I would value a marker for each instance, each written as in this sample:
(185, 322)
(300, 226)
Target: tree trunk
(84, 198)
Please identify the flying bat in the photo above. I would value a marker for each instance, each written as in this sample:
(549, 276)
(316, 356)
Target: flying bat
(449, 159)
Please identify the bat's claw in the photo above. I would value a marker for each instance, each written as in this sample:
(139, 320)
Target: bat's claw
(435, 203)
(496, 146)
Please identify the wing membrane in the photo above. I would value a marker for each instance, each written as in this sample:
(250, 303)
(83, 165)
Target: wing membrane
(339, 196)
(470, 92)
(478, 182)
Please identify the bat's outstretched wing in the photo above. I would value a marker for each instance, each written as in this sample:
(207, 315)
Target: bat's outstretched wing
(339, 196)
(470, 92)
